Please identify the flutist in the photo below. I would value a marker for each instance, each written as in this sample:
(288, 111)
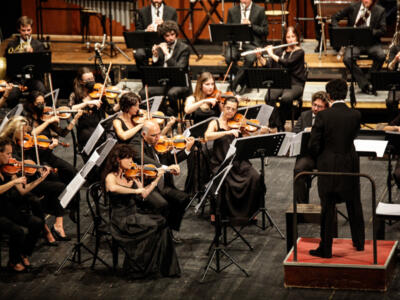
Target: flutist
(392, 101)
(20, 44)
(291, 58)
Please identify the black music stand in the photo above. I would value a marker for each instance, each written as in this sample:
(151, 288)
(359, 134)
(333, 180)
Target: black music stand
(141, 39)
(393, 149)
(351, 37)
(260, 146)
(386, 81)
(28, 63)
(213, 187)
(231, 33)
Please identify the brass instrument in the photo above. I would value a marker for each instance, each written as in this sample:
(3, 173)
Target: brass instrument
(265, 49)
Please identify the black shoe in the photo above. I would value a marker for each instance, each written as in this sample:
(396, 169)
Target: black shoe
(176, 239)
(50, 244)
(319, 253)
(244, 90)
(369, 89)
(58, 237)
(358, 247)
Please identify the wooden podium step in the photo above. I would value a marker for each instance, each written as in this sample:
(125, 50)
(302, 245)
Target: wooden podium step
(347, 269)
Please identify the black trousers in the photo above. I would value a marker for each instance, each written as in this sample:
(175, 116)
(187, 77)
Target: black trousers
(300, 188)
(16, 238)
(355, 214)
(170, 203)
(142, 56)
(377, 55)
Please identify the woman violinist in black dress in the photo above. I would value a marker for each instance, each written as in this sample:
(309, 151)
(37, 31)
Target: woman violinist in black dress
(242, 190)
(145, 237)
(291, 58)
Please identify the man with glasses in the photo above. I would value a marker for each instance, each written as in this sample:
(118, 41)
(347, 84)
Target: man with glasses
(306, 162)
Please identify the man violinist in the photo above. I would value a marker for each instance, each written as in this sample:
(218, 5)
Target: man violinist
(166, 198)
(20, 44)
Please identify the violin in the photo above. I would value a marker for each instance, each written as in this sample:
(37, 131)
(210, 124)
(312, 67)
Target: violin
(3, 85)
(142, 116)
(149, 171)
(239, 122)
(178, 142)
(63, 112)
(111, 92)
(43, 142)
(14, 167)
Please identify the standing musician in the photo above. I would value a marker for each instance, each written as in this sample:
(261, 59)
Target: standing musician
(50, 188)
(24, 43)
(394, 126)
(243, 190)
(365, 13)
(170, 53)
(16, 218)
(95, 109)
(332, 145)
(320, 102)
(253, 15)
(292, 58)
(148, 19)
(167, 199)
(149, 250)
(393, 104)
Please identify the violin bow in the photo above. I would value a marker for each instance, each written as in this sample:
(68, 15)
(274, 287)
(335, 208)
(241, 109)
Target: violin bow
(22, 152)
(142, 161)
(52, 95)
(105, 81)
(227, 72)
(36, 146)
(146, 88)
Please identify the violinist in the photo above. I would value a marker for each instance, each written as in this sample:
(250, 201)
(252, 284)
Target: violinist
(124, 125)
(50, 188)
(242, 190)
(204, 103)
(166, 199)
(292, 58)
(24, 43)
(16, 218)
(6, 93)
(146, 237)
(96, 108)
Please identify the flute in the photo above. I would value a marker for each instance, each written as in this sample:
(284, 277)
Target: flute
(265, 49)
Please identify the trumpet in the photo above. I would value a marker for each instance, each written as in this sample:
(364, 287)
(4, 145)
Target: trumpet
(265, 49)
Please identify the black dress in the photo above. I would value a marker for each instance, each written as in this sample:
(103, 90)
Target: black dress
(125, 128)
(146, 238)
(242, 191)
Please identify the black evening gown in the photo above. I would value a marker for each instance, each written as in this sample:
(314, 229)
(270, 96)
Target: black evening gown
(242, 191)
(145, 237)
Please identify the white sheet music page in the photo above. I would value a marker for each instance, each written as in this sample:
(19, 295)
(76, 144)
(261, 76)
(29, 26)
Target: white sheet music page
(286, 144)
(376, 146)
(71, 189)
(388, 209)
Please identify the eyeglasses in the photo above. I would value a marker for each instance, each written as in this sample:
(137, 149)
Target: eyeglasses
(318, 106)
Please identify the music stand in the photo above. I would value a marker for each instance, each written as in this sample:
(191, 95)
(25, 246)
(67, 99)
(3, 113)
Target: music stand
(351, 37)
(269, 78)
(231, 33)
(16, 111)
(141, 39)
(70, 191)
(260, 146)
(260, 112)
(28, 63)
(386, 81)
(393, 149)
(215, 185)
(154, 103)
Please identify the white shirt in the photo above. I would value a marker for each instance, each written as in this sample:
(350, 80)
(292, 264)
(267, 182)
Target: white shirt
(168, 56)
(154, 13)
(361, 12)
(245, 12)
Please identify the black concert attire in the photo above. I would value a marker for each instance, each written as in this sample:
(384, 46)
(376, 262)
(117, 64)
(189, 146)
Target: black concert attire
(33, 84)
(166, 199)
(378, 26)
(146, 238)
(303, 162)
(393, 104)
(294, 62)
(18, 221)
(332, 145)
(396, 172)
(259, 30)
(125, 128)
(242, 192)
(180, 58)
(144, 19)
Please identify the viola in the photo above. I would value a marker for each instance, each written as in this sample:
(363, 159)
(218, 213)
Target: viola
(63, 112)
(158, 116)
(239, 122)
(43, 142)
(149, 171)
(111, 92)
(178, 142)
(3, 85)
(14, 167)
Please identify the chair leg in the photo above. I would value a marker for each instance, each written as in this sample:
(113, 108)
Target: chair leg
(114, 249)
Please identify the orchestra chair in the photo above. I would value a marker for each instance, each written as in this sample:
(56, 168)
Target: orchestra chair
(85, 15)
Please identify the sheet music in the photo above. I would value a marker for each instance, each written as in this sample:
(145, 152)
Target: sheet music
(72, 188)
(97, 133)
(16, 111)
(295, 147)
(376, 146)
(286, 144)
(390, 209)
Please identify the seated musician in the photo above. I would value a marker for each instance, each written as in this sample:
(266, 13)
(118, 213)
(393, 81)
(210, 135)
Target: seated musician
(243, 190)
(393, 97)
(253, 15)
(320, 101)
(171, 53)
(365, 13)
(145, 237)
(95, 109)
(166, 199)
(394, 126)
(5, 94)
(124, 124)
(24, 43)
(148, 19)
(47, 191)
(291, 58)
(16, 217)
